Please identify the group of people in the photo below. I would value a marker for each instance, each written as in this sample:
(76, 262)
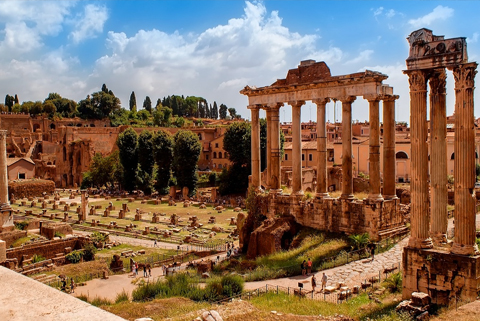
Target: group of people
(324, 282)
(72, 285)
(147, 270)
(306, 267)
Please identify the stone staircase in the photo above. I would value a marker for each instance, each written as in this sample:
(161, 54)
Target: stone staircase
(45, 279)
(391, 232)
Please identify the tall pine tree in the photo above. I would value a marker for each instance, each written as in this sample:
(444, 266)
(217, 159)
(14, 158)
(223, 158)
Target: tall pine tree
(215, 111)
(133, 101)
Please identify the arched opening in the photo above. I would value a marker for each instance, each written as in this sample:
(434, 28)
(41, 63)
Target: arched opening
(401, 155)
(214, 154)
(35, 127)
(219, 154)
(92, 125)
(52, 126)
(79, 125)
(49, 163)
(452, 156)
(199, 136)
(287, 238)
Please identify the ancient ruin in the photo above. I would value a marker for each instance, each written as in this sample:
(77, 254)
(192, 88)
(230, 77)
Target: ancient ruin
(432, 265)
(378, 214)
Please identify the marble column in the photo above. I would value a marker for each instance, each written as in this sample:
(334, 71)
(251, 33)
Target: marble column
(276, 153)
(438, 159)
(322, 177)
(3, 168)
(464, 171)
(297, 147)
(255, 143)
(374, 149)
(419, 162)
(269, 148)
(389, 176)
(347, 170)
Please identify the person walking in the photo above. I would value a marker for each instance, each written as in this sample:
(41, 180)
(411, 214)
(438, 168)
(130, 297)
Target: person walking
(309, 266)
(149, 271)
(155, 243)
(72, 286)
(303, 266)
(145, 271)
(324, 281)
(134, 272)
(314, 283)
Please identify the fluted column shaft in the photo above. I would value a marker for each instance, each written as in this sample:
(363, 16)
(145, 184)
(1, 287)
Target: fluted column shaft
(269, 148)
(296, 147)
(464, 160)
(389, 189)
(276, 152)
(347, 173)
(419, 163)
(438, 160)
(374, 149)
(3, 168)
(322, 178)
(255, 142)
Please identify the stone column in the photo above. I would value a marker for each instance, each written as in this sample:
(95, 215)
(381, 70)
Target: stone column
(419, 162)
(3, 168)
(464, 171)
(296, 147)
(374, 149)
(322, 177)
(276, 153)
(84, 205)
(255, 141)
(438, 159)
(347, 171)
(268, 159)
(389, 189)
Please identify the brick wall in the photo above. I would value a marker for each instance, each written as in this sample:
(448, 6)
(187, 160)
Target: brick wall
(47, 249)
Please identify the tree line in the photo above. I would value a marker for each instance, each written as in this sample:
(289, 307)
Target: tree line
(169, 111)
(151, 161)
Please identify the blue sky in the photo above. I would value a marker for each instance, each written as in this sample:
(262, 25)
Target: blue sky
(214, 48)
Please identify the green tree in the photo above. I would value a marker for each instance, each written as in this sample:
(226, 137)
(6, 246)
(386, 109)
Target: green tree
(185, 158)
(37, 108)
(16, 100)
(214, 110)
(179, 122)
(163, 153)
(147, 104)
(64, 107)
(143, 114)
(100, 105)
(9, 101)
(146, 158)
(3, 108)
(128, 154)
(103, 171)
(223, 111)
(232, 112)
(133, 101)
(49, 108)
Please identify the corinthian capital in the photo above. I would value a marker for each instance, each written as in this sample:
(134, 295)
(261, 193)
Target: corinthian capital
(321, 101)
(417, 79)
(3, 134)
(297, 103)
(465, 75)
(438, 81)
(347, 99)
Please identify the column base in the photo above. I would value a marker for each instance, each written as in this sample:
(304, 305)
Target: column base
(419, 243)
(439, 238)
(462, 249)
(298, 193)
(375, 197)
(322, 195)
(347, 196)
(278, 191)
(390, 197)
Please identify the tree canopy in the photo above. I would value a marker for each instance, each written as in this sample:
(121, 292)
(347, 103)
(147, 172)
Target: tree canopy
(185, 158)
(128, 154)
(99, 105)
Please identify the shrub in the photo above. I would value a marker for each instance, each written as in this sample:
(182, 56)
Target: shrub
(359, 241)
(37, 258)
(394, 282)
(97, 301)
(74, 256)
(98, 237)
(89, 252)
(232, 285)
(21, 225)
(122, 297)
(60, 235)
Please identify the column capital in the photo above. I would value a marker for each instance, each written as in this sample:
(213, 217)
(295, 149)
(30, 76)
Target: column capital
(275, 105)
(389, 97)
(465, 75)
(437, 81)
(372, 97)
(417, 80)
(296, 103)
(3, 133)
(347, 99)
(321, 101)
(256, 106)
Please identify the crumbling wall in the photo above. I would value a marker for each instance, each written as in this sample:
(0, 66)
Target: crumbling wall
(47, 249)
(30, 188)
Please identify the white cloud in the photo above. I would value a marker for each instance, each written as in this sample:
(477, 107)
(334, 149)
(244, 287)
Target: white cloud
(391, 13)
(89, 23)
(363, 56)
(474, 38)
(378, 11)
(439, 13)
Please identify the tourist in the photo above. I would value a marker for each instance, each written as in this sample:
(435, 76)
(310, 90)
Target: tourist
(314, 283)
(145, 271)
(309, 266)
(136, 268)
(372, 247)
(303, 266)
(155, 243)
(72, 286)
(164, 269)
(133, 268)
(149, 271)
(64, 285)
(324, 281)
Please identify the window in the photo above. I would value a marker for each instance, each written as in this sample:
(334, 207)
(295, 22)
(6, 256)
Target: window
(303, 157)
(286, 156)
(216, 145)
(214, 154)
(219, 154)
(21, 175)
(199, 136)
(310, 157)
(206, 156)
(219, 165)
(403, 155)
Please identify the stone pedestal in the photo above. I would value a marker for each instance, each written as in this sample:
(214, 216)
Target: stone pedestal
(138, 217)
(106, 213)
(3, 251)
(173, 192)
(444, 276)
(121, 214)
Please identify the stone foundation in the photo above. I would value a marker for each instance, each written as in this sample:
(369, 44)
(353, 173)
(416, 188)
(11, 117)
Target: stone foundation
(441, 274)
(380, 219)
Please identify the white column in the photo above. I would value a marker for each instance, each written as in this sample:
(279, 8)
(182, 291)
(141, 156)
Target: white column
(255, 142)
(297, 147)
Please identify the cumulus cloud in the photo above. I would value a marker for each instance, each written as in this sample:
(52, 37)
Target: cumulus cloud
(474, 38)
(90, 23)
(439, 13)
(378, 11)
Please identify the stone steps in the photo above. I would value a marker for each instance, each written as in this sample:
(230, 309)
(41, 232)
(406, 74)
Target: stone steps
(402, 230)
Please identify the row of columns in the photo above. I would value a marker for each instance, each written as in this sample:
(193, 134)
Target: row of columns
(274, 152)
(429, 203)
